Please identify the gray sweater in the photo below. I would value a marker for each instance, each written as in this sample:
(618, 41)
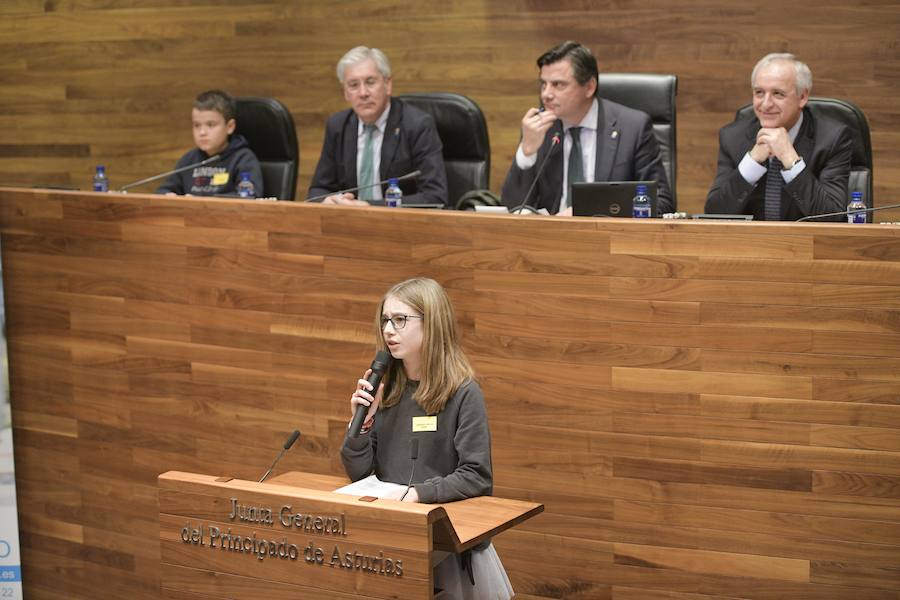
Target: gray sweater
(454, 462)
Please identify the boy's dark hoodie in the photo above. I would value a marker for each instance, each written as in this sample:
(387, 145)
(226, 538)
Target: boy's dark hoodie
(220, 177)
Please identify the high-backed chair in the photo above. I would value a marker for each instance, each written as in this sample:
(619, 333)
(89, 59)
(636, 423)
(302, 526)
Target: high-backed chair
(655, 95)
(269, 128)
(463, 132)
(853, 117)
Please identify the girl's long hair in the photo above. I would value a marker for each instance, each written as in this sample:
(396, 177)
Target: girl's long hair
(444, 365)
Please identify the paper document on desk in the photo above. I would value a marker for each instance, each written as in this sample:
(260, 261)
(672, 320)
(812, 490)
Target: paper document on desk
(372, 486)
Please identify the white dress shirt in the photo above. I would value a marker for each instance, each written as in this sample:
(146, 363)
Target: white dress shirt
(588, 151)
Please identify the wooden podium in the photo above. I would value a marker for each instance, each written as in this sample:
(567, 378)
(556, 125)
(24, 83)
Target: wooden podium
(291, 537)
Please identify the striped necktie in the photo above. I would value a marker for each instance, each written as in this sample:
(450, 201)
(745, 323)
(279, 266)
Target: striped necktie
(774, 185)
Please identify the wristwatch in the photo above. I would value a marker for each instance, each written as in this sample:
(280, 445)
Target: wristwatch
(796, 162)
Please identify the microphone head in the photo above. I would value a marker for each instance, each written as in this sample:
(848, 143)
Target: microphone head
(381, 362)
(293, 438)
(414, 448)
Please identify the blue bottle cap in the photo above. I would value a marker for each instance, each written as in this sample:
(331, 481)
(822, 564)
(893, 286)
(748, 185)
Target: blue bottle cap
(857, 195)
(641, 190)
(245, 175)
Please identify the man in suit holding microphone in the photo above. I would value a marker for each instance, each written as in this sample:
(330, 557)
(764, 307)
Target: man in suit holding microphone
(377, 138)
(600, 140)
(785, 163)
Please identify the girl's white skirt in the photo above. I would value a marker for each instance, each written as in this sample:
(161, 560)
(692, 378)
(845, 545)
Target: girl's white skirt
(491, 582)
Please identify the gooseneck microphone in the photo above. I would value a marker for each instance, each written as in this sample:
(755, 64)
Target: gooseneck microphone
(411, 175)
(553, 144)
(413, 455)
(204, 162)
(287, 446)
(847, 212)
(379, 366)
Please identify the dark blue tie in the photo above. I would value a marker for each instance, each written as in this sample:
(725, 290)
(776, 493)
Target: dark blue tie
(774, 185)
(576, 164)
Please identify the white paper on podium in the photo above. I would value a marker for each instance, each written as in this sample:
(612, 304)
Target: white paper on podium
(372, 486)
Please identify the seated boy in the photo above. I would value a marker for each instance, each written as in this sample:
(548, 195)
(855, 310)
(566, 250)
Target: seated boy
(213, 123)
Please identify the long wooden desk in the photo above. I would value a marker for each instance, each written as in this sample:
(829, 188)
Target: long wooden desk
(705, 409)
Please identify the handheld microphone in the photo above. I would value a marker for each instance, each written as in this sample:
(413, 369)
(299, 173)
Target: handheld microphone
(847, 212)
(553, 144)
(379, 366)
(413, 455)
(411, 175)
(287, 446)
(212, 158)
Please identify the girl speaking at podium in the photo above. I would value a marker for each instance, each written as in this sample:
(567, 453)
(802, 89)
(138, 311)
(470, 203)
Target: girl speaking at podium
(428, 393)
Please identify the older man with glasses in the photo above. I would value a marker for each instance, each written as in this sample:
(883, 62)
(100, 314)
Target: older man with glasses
(377, 138)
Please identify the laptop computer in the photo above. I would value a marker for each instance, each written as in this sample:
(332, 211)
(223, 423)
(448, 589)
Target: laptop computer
(609, 198)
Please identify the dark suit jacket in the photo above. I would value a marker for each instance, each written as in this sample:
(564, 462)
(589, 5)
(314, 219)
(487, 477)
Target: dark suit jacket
(410, 142)
(825, 146)
(628, 152)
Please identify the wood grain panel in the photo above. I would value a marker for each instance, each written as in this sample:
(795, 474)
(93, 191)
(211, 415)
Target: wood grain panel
(118, 77)
(754, 521)
(712, 562)
(735, 244)
(699, 423)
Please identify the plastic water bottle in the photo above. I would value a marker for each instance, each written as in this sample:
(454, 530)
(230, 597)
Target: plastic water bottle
(245, 187)
(858, 208)
(393, 196)
(101, 183)
(641, 203)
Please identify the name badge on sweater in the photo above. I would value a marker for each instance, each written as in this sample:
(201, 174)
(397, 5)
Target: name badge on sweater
(424, 423)
(220, 179)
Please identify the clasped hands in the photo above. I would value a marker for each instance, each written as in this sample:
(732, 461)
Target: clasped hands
(774, 141)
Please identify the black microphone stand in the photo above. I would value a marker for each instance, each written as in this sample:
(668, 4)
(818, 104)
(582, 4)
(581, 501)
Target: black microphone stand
(519, 208)
(847, 212)
(204, 162)
(415, 173)
(413, 455)
(287, 446)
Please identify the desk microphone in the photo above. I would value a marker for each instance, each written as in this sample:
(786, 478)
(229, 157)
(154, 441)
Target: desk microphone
(412, 175)
(212, 158)
(847, 212)
(413, 455)
(553, 144)
(379, 366)
(287, 446)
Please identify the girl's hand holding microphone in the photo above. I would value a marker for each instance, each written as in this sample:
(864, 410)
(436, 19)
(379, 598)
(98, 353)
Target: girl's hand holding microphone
(363, 397)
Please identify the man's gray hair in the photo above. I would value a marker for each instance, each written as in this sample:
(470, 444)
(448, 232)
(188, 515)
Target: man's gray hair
(359, 54)
(802, 74)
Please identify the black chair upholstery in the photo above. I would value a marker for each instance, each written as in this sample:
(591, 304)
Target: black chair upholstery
(655, 95)
(269, 128)
(463, 132)
(853, 117)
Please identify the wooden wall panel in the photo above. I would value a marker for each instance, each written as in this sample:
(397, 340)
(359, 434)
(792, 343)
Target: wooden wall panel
(111, 81)
(708, 410)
